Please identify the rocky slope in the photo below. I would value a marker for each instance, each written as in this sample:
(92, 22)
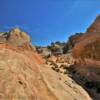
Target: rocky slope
(25, 76)
(86, 55)
(87, 51)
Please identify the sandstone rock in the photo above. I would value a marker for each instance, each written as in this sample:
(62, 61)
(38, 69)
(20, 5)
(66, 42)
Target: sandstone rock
(16, 37)
(86, 54)
(89, 44)
(24, 75)
(72, 41)
(95, 27)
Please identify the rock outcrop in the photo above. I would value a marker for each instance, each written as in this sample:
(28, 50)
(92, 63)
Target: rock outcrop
(17, 38)
(95, 27)
(25, 76)
(88, 48)
(86, 54)
(72, 41)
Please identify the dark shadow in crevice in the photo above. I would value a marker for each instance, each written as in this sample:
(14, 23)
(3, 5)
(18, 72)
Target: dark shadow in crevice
(92, 87)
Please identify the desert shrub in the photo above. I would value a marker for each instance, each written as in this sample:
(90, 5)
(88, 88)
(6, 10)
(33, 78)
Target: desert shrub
(66, 72)
(47, 56)
(57, 69)
(55, 65)
(63, 66)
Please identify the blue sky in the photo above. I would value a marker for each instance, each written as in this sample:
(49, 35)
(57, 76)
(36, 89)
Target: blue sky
(48, 20)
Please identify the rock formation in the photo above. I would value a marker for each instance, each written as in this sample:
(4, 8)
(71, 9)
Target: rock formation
(72, 41)
(95, 27)
(25, 76)
(86, 54)
(87, 50)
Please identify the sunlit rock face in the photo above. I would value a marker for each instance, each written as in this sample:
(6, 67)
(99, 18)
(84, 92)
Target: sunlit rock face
(87, 52)
(95, 27)
(19, 71)
(24, 75)
(15, 37)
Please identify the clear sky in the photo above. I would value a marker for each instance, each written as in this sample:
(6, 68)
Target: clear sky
(48, 20)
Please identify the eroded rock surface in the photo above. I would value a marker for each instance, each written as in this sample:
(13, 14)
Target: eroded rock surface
(86, 54)
(25, 76)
